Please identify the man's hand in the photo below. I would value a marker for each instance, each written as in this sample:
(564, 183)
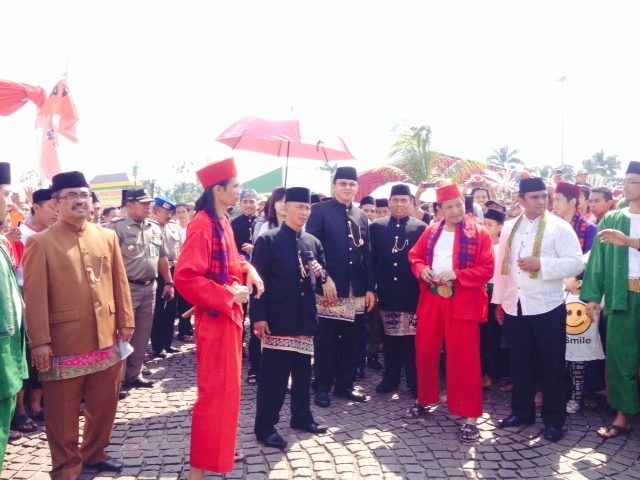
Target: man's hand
(500, 315)
(370, 301)
(445, 278)
(615, 237)
(247, 248)
(593, 310)
(329, 290)
(125, 334)
(529, 264)
(428, 276)
(41, 357)
(317, 268)
(260, 329)
(13, 235)
(253, 279)
(168, 291)
(240, 293)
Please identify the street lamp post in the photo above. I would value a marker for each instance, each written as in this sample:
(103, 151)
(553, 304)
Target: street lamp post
(562, 80)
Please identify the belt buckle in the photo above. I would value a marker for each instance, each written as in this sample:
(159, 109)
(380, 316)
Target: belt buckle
(147, 283)
(443, 291)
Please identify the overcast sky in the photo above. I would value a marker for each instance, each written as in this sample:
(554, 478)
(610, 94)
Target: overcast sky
(156, 82)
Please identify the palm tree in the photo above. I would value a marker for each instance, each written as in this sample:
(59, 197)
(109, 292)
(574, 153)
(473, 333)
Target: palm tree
(413, 162)
(503, 158)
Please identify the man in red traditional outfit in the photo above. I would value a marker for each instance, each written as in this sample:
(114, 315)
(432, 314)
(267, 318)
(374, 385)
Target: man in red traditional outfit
(209, 276)
(453, 261)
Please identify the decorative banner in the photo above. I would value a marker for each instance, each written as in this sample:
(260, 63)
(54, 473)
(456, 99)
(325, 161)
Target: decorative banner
(13, 96)
(57, 116)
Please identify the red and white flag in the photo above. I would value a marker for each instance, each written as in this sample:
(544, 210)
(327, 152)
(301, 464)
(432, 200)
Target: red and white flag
(57, 116)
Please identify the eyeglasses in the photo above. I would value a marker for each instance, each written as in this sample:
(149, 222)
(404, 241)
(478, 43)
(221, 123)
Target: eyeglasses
(72, 196)
(347, 184)
(629, 182)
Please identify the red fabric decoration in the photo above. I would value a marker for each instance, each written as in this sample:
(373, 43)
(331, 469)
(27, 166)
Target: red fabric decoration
(13, 96)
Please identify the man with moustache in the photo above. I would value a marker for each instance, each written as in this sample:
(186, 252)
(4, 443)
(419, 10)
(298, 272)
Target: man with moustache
(453, 260)
(13, 364)
(165, 312)
(77, 305)
(537, 251)
(613, 273)
(343, 231)
(285, 319)
(397, 289)
(144, 253)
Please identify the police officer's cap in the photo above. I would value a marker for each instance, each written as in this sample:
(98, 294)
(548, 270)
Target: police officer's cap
(138, 195)
(166, 203)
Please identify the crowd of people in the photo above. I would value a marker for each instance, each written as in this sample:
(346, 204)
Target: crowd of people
(538, 291)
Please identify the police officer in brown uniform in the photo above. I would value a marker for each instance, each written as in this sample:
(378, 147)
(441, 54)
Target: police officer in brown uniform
(166, 310)
(144, 253)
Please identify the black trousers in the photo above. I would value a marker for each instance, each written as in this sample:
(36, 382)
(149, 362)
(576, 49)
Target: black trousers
(336, 354)
(164, 318)
(255, 347)
(492, 357)
(538, 342)
(184, 324)
(275, 368)
(399, 350)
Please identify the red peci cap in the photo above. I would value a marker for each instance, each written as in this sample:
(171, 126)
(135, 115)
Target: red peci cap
(217, 172)
(449, 192)
(566, 188)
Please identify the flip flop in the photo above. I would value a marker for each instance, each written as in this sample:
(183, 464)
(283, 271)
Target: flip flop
(23, 424)
(238, 457)
(603, 431)
(469, 433)
(414, 411)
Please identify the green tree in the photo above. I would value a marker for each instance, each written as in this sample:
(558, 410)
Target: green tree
(30, 178)
(598, 164)
(503, 158)
(414, 162)
(327, 167)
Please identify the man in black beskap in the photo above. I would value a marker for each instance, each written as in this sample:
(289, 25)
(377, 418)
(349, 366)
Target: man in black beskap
(397, 288)
(285, 319)
(343, 230)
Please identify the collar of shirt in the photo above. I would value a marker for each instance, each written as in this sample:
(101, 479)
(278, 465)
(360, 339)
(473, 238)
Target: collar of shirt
(289, 231)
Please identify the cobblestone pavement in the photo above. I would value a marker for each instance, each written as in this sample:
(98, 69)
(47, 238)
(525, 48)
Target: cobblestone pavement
(369, 441)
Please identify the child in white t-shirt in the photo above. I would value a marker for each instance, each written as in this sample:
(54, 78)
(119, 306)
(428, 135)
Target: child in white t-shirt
(583, 341)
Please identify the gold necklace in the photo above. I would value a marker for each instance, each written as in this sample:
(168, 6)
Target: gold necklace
(303, 271)
(95, 279)
(360, 241)
(396, 248)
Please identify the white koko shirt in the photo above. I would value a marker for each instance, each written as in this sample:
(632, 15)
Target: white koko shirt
(560, 257)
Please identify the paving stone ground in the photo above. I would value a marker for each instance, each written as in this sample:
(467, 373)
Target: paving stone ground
(369, 440)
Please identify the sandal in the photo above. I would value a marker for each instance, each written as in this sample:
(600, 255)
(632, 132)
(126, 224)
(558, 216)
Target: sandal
(22, 423)
(252, 379)
(469, 433)
(38, 417)
(238, 457)
(414, 411)
(603, 432)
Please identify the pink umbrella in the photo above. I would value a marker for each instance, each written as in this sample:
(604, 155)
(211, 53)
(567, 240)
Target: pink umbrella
(284, 138)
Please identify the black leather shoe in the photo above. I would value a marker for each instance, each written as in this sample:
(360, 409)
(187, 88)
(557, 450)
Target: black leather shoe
(160, 354)
(514, 421)
(352, 395)
(139, 383)
(373, 362)
(311, 428)
(122, 395)
(553, 434)
(108, 465)
(171, 350)
(385, 388)
(323, 400)
(274, 440)
(359, 373)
